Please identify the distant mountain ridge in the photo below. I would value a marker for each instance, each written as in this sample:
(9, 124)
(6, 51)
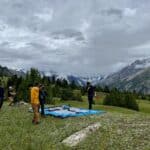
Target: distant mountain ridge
(78, 80)
(134, 77)
(4, 71)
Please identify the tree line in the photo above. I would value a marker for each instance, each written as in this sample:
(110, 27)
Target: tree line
(54, 87)
(57, 88)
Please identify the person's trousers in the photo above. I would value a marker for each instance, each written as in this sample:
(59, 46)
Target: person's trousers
(36, 117)
(42, 109)
(1, 102)
(90, 99)
(11, 99)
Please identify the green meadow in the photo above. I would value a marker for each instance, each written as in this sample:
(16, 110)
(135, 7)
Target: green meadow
(120, 128)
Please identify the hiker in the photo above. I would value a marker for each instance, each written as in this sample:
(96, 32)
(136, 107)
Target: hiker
(1, 96)
(11, 95)
(35, 103)
(90, 89)
(42, 97)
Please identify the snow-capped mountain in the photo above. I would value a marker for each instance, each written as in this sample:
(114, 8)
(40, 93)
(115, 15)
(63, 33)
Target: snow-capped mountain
(142, 64)
(83, 80)
(135, 76)
(77, 79)
(4, 71)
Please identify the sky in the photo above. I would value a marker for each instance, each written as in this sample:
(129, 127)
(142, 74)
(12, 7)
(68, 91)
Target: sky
(83, 37)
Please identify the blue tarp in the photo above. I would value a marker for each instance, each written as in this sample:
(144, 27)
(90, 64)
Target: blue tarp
(70, 112)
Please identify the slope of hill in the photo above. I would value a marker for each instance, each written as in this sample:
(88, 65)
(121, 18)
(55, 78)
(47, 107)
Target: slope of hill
(4, 71)
(133, 77)
(120, 129)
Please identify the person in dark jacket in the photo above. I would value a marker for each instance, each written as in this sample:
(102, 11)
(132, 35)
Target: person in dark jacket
(42, 98)
(1, 96)
(91, 92)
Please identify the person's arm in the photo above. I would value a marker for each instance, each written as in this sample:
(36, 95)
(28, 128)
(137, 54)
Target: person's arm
(45, 93)
(3, 92)
(13, 93)
(87, 88)
(95, 94)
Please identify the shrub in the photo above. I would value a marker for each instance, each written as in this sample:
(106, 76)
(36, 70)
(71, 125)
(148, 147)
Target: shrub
(131, 101)
(77, 95)
(116, 98)
(49, 97)
(68, 94)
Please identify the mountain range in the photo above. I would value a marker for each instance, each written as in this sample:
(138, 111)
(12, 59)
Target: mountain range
(4, 71)
(134, 77)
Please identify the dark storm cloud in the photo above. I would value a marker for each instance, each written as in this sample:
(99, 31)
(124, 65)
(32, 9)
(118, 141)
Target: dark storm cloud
(113, 11)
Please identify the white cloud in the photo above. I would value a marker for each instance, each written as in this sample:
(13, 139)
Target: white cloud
(118, 66)
(128, 12)
(84, 28)
(46, 15)
(143, 46)
(141, 51)
(81, 36)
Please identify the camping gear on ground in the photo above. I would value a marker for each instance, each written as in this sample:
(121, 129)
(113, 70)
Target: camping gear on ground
(65, 111)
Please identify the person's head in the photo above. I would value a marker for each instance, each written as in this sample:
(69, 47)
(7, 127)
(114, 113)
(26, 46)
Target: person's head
(88, 83)
(41, 86)
(10, 88)
(30, 86)
(36, 84)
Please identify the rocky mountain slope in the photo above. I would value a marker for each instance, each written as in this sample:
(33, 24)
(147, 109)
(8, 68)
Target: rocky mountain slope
(133, 77)
(4, 71)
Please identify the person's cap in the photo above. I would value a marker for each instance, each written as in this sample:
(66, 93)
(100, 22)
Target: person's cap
(88, 82)
(40, 85)
(10, 87)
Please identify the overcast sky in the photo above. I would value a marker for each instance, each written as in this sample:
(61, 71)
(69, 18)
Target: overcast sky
(74, 36)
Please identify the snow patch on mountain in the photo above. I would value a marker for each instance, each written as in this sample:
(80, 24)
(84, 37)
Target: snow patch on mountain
(77, 79)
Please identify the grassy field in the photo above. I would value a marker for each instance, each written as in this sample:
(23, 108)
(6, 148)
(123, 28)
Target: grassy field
(121, 129)
(144, 106)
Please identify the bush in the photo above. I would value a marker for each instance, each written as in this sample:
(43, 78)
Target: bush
(68, 94)
(77, 95)
(131, 101)
(49, 97)
(116, 98)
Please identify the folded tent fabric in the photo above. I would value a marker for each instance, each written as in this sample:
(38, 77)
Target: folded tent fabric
(60, 112)
(72, 112)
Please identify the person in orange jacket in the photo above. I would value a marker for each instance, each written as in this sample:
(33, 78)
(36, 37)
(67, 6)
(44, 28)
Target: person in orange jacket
(35, 102)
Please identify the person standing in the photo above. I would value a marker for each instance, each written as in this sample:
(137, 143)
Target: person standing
(42, 97)
(35, 103)
(91, 92)
(1, 96)
(11, 95)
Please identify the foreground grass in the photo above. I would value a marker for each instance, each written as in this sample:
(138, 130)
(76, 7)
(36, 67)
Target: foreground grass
(121, 129)
(144, 106)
